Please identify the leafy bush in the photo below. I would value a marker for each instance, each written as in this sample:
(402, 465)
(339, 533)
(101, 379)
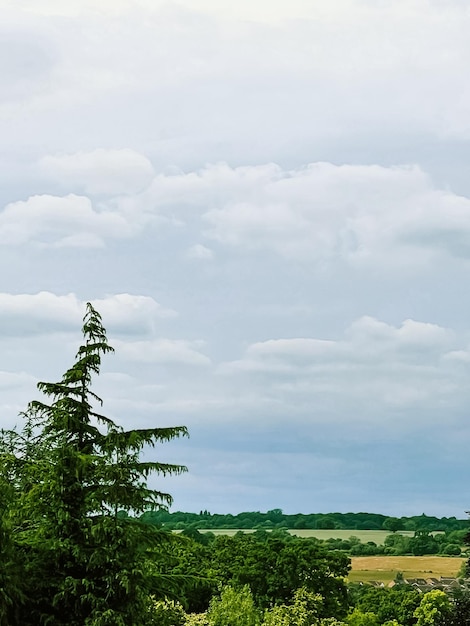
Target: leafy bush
(434, 607)
(358, 618)
(196, 619)
(304, 611)
(166, 613)
(451, 549)
(235, 607)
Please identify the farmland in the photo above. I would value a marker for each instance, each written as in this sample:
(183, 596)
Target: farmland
(385, 568)
(377, 536)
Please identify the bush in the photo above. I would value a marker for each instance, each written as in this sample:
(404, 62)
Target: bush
(165, 613)
(434, 607)
(303, 612)
(358, 618)
(235, 607)
(196, 619)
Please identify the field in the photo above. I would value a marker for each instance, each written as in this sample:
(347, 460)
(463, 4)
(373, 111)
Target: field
(377, 536)
(385, 568)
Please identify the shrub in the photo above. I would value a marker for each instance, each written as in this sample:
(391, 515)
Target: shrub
(166, 613)
(235, 607)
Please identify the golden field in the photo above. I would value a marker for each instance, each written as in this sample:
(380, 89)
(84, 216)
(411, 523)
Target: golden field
(385, 568)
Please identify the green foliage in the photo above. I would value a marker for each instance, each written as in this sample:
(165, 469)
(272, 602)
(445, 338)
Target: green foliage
(366, 549)
(196, 619)
(451, 549)
(393, 524)
(421, 544)
(165, 613)
(303, 611)
(433, 609)
(358, 618)
(190, 566)
(275, 564)
(277, 519)
(387, 604)
(11, 570)
(326, 522)
(75, 473)
(463, 570)
(456, 536)
(460, 615)
(235, 607)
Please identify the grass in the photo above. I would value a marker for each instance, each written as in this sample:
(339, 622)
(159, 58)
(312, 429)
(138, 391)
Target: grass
(385, 568)
(377, 536)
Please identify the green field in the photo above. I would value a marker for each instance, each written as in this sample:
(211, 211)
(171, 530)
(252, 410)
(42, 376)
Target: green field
(377, 536)
(385, 568)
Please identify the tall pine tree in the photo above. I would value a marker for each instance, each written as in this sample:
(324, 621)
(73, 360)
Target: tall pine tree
(74, 474)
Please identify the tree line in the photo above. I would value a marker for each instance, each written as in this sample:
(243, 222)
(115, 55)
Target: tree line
(275, 518)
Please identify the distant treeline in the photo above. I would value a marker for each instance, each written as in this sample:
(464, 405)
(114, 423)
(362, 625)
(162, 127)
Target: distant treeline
(275, 518)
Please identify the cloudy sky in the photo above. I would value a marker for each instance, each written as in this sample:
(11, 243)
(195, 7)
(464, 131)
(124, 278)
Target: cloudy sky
(269, 204)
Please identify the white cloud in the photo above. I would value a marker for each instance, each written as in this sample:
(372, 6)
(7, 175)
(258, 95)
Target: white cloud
(163, 351)
(47, 312)
(262, 10)
(59, 221)
(412, 336)
(41, 308)
(323, 212)
(375, 365)
(208, 82)
(462, 356)
(199, 251)
(73, 220)
(136, 314)
(109, 172)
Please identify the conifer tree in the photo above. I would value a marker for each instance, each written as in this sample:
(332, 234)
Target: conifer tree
(75, 474)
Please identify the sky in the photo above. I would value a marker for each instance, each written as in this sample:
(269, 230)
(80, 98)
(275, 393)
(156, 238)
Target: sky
(269, 204)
